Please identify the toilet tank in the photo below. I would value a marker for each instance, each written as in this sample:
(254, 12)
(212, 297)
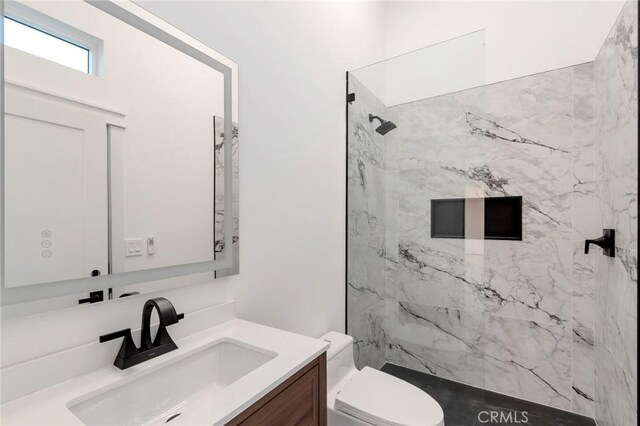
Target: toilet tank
(340, 363)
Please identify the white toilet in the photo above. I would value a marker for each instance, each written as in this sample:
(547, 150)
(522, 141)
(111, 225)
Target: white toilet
(371, 397)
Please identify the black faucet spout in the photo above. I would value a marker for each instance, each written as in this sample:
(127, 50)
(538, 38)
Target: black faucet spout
(130, 355)
(167, 315)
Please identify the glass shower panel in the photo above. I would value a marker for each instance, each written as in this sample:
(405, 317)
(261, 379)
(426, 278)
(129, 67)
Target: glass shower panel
(415, 298)
(527, 130)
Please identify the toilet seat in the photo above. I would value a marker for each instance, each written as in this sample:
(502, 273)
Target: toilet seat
(381, 399)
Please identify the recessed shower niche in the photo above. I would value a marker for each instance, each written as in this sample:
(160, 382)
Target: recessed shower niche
(490, 218)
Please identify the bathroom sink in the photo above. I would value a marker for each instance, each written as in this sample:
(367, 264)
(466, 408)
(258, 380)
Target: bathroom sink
(161, 395)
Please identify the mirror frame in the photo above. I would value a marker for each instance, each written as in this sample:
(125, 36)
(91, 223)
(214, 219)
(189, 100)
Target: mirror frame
(143, 20)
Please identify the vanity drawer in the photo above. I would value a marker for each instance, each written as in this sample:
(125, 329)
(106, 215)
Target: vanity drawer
(301, 400)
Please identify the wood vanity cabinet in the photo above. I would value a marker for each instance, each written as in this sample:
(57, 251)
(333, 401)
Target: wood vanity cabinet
(300, 400)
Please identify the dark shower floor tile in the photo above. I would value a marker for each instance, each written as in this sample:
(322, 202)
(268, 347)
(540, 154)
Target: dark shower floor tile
(462, 403)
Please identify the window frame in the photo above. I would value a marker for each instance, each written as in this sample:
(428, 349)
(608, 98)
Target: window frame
(24, 15)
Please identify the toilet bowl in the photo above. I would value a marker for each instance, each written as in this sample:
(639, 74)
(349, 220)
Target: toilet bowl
(371, 397)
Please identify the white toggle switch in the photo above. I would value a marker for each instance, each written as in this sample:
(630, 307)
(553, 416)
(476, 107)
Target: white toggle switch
(151, 244)
(133, 247)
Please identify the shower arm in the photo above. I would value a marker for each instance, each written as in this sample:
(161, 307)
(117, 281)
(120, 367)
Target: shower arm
(375, 117)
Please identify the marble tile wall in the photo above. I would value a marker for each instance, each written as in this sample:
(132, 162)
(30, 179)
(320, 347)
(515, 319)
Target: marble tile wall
(367, 299)
(497, 314)
(616, 193)
(511, 316)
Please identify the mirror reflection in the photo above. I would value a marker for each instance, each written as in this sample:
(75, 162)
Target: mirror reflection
(114, 149)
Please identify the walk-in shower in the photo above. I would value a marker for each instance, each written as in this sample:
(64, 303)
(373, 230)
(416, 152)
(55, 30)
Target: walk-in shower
(466, 225)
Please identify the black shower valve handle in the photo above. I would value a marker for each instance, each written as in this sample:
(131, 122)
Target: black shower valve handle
(598, 241)
(607, 242)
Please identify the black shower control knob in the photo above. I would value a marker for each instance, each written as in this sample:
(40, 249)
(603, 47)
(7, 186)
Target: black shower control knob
(607, 242)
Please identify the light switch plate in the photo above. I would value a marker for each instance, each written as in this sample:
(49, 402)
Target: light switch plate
(133, 247)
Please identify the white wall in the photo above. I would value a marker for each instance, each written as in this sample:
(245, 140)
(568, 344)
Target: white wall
(292, 59)
(522, 37)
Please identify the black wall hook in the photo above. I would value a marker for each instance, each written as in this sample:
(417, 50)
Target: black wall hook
(607, 242)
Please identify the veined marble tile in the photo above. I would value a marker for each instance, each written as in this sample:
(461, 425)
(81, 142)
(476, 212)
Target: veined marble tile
(366, 174)
(616, 173)
(583, 291)
(583, 132)
(427, 271)
(364, 142)
(621, 316)
(583, 98)
(546, 190)
(545, 187)
(583, 271)
(616, 74)
(370, 338)
(616, 396)
(601, 274)
(391, 141)
(438, 272)
(366, 199)
(529, 360)
(616, 186)
(392, 214)
(434, 131)
(529, 280)
(583, 372)
(527, 117)
(365, 273)
(416, 189)
(583, 220)
(441, 341)
(367, 250)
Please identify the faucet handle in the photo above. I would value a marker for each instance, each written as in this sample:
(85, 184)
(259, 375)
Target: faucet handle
(126, 333)
(128, 347)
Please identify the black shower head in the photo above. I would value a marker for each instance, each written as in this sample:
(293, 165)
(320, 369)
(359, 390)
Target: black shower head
(384, 127)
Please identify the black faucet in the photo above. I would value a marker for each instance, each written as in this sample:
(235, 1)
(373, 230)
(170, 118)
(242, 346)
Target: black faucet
(129, 354)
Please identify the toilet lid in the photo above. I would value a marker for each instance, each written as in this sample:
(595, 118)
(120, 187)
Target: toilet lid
(381, 399)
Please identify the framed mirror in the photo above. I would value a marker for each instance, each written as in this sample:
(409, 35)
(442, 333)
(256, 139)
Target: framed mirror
(117, 168)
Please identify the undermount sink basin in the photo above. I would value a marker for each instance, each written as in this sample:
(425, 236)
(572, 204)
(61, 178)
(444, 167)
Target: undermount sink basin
(162, 394)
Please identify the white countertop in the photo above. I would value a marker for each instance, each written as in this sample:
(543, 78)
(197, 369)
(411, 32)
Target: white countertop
(50, 406)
